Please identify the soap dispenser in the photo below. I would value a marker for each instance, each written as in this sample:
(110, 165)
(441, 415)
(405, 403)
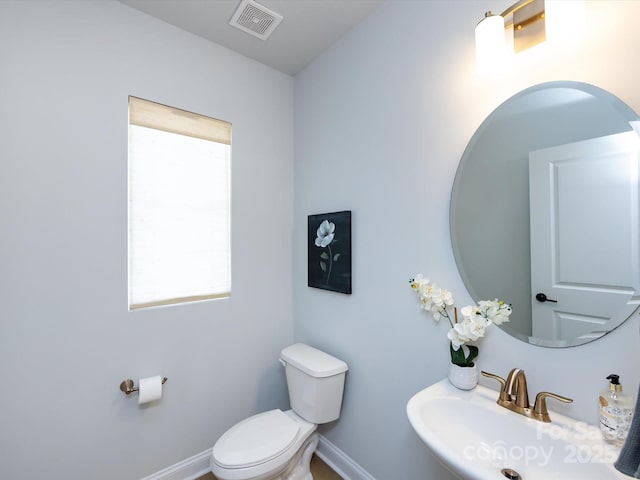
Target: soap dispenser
(616, 412)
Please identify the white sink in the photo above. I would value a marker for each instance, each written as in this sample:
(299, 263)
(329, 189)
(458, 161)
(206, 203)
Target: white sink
(475, 438)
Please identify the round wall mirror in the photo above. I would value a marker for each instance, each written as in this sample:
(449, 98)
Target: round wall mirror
(545, 213)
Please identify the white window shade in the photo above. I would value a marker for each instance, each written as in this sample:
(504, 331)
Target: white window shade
(179, 206)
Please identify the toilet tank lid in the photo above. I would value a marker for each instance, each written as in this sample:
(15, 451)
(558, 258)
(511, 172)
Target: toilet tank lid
(312, 361)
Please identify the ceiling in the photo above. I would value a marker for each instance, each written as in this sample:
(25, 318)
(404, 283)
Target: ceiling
(308, 26)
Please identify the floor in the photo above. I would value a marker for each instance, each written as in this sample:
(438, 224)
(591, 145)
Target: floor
(319, 470)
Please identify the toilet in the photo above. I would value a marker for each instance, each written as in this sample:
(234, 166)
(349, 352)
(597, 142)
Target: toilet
(277, 445)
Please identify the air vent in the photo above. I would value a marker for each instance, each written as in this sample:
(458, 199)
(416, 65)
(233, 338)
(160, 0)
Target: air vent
(253, 18)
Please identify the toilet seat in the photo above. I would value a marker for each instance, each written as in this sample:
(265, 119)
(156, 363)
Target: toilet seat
(256, 440)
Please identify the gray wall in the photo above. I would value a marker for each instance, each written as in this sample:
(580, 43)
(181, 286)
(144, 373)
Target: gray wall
(382, 119)
(66, 337)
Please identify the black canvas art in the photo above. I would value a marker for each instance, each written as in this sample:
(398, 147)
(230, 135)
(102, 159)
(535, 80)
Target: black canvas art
(329, 251)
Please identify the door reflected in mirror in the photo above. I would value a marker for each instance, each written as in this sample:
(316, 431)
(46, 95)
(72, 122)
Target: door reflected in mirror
(574, 218)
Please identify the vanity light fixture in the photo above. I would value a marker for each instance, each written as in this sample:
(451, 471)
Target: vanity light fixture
(527, 22)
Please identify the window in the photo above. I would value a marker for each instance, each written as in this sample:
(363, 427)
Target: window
(179, 206)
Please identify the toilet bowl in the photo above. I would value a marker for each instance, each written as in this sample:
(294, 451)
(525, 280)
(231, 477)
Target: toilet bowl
(272, 445)
(277, 445)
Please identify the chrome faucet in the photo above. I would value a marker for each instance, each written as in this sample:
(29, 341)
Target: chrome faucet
(515, 397)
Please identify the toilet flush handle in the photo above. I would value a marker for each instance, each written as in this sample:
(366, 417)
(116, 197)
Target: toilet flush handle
(284, 364)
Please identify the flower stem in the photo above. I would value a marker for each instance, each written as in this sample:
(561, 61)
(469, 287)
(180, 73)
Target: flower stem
(446, 315)
(330, 263)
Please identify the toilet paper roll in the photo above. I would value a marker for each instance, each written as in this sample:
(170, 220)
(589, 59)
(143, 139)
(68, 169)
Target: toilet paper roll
(150, 389)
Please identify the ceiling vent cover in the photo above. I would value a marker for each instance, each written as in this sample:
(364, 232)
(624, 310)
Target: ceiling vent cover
(253, 18)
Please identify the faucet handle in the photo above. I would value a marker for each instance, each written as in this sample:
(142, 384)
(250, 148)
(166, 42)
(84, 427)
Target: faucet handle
(540, 407)
(504, 395)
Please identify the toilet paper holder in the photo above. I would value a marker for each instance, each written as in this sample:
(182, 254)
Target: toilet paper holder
(127, 385)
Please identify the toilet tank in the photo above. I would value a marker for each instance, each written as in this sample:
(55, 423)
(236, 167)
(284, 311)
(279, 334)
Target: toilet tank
(316, 382)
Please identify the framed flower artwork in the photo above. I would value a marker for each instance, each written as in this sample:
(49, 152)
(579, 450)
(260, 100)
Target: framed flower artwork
(329, 251)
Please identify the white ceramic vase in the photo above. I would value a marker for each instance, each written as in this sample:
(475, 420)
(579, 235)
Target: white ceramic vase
(464, 378)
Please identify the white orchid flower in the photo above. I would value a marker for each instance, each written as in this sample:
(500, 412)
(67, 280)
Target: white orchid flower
(455, 339)
(443, 297)
(476, 326)
(495, 310)
(459, 335)
(325, 233)
(468, 311)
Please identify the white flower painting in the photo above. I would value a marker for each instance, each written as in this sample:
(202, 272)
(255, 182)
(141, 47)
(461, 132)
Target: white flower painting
(329, 255)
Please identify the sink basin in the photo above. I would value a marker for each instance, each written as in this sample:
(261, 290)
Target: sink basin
(476, 439)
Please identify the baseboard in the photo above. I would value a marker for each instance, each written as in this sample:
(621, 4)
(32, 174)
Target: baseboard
(340, 462)
(198, 465)
(189, 469)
